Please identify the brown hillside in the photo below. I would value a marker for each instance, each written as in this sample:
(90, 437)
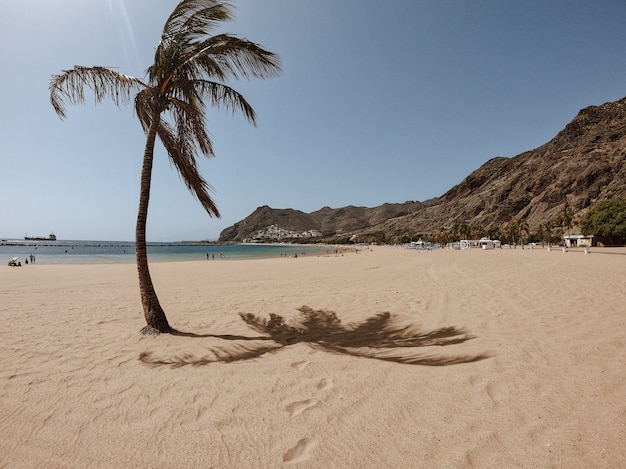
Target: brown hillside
(581, 165)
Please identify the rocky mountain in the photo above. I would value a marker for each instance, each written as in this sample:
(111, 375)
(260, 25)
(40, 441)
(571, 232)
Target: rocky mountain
(268, 224)
(581, 165)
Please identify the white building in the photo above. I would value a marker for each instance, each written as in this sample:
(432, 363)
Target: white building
(572, 241)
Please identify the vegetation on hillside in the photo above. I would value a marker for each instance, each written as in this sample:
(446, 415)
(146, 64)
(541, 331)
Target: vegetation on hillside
(607, 219)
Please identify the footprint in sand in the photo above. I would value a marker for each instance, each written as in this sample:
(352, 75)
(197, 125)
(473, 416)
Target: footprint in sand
(494, 392)
(325, 383)
(299, 452)
(300, 365)
(296, 408)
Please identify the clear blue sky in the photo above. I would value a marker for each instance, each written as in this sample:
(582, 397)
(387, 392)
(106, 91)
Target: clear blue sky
(379, 101)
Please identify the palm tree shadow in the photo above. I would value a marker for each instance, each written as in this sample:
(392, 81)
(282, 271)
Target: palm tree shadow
(380, 337)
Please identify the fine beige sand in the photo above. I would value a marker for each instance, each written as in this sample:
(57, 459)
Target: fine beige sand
(81, 388)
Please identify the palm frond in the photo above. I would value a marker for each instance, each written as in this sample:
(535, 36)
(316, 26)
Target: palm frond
(199, 16)
(143, 108)
(224, 96)
(189, 117)
(190, 21)
(234, 58)
(181, 150)
(69, 87)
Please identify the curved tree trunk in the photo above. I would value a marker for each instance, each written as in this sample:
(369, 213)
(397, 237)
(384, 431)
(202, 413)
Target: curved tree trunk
(153, 313)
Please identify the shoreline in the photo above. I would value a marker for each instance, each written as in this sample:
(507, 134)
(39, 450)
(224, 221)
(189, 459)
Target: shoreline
(65, 256)
(93, 252)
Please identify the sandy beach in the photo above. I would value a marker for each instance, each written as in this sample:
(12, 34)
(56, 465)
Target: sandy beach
(542, 383)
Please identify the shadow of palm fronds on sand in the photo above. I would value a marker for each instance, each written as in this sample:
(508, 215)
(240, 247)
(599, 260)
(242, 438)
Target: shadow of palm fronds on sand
(380, 337)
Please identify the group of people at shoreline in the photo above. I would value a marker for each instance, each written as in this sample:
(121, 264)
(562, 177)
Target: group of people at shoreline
(14, 262)
(212, 256)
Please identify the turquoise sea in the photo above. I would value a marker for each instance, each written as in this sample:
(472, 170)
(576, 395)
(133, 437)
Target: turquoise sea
(106, 252)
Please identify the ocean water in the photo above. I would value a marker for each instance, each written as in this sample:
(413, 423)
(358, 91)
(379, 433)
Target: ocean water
(106, 252)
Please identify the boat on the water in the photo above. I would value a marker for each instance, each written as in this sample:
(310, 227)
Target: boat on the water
(50, 237)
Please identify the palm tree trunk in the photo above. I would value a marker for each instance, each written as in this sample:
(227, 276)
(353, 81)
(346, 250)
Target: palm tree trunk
(153, 313)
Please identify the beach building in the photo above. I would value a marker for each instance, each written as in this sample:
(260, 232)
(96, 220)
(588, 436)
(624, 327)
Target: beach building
(482, 243)
(486, 243)
(572, 241)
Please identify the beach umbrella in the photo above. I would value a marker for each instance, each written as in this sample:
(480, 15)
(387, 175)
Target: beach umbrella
(13, 261)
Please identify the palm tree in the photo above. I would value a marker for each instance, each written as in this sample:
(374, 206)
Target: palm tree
(515, 229)
(522, 228)
(567, 220)
(564, 221)
(190, 67)
(441, 236)
(464, 230)
(542, 232)
(477, 231)
(494, 233)
(549, 228)
(508, 231)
